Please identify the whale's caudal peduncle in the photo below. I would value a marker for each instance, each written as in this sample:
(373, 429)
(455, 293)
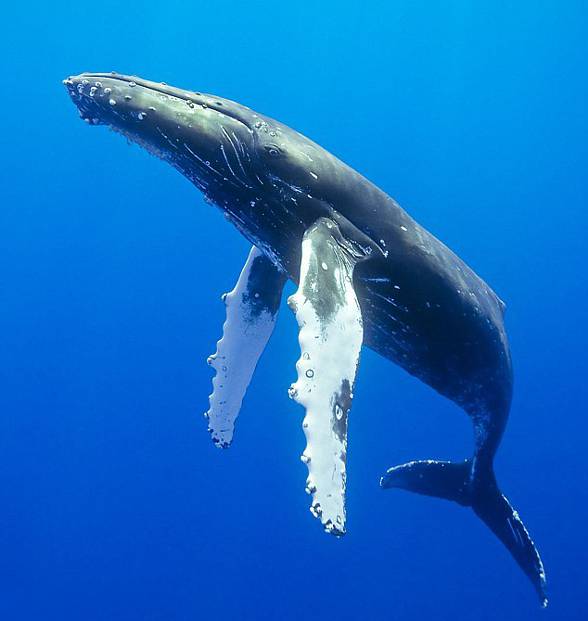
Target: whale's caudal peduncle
(366, 272)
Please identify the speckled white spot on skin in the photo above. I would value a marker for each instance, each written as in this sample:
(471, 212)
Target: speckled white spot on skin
(403, 228)
(313, 175)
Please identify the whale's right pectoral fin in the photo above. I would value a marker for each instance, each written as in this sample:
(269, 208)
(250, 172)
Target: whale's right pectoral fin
(252, 307)
(331, 334)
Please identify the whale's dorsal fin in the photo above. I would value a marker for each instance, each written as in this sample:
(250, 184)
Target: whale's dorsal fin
(252, 307)
(331, 334)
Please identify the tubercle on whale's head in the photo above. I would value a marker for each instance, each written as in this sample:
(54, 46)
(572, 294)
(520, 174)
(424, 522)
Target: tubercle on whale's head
(208, 138)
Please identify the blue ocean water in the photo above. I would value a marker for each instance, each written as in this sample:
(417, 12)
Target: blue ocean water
(114, 504)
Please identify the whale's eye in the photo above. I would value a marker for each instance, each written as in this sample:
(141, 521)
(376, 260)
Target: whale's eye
(273, 150)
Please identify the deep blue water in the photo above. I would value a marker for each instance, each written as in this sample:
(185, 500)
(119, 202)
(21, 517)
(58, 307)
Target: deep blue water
(114, 504)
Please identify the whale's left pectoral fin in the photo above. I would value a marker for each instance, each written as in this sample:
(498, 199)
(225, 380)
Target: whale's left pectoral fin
(251, 307)
(331, 334)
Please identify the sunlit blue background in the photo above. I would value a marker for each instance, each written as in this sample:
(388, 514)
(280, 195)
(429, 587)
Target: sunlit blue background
(114, 504)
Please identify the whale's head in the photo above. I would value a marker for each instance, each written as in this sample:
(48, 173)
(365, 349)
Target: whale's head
(209, 139)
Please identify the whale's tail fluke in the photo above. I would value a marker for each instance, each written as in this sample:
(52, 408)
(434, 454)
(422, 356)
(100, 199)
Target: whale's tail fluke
(458, 482)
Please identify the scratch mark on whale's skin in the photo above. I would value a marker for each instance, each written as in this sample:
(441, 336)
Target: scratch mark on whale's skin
(202, 162)
(239, 162)
(172, 145)
(421, 306)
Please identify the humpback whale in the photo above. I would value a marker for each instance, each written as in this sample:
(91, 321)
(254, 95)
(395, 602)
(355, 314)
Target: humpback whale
(367, 274)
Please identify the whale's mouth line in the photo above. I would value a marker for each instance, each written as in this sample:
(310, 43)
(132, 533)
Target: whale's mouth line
(197, 98)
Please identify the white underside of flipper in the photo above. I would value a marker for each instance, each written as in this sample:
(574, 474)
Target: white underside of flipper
(249, 324)
(331, 334)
